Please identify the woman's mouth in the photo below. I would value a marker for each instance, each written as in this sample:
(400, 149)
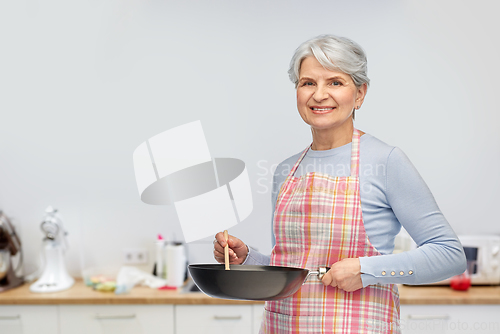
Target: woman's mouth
(321, 110)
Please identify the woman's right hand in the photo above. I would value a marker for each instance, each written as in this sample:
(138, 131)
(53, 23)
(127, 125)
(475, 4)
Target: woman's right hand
(238, 251)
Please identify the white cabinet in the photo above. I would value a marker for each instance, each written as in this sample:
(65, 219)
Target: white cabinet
(27, 319)
(258, 312)
(431, 319)
(213, 319)
(449, 319)
(227, 319)
(111, 319)
(474, 319)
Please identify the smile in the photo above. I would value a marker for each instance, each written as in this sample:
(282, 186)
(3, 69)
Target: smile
(324, 110)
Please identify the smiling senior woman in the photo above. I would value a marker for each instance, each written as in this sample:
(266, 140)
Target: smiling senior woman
(340, 203)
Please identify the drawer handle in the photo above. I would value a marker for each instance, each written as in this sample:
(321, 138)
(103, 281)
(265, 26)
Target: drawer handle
(10, 317)
(428, 317)
(227, 317)
(114, 316)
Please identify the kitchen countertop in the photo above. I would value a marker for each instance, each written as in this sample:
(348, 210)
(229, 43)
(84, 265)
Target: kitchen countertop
(81, 294)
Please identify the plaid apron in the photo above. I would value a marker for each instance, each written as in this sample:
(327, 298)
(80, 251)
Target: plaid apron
(317, 222)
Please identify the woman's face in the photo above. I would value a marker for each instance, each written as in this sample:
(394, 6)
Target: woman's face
(325, 99)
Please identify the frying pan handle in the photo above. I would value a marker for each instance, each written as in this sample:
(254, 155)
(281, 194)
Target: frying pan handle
(320, 272)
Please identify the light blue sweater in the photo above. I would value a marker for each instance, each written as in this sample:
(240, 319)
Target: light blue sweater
(393, 194)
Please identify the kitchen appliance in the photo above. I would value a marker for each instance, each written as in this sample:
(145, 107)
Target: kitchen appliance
(483, 258)
(250, 282)
(10, 245)
(55, 277)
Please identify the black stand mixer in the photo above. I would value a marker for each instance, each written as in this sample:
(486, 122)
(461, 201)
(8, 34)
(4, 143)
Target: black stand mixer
(9, 246)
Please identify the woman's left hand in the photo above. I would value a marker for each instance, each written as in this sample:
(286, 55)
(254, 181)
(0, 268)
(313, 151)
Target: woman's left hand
(345, 275)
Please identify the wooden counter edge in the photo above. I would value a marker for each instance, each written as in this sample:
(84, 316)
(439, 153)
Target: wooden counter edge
(80, 294)
(128, 301)
(444, 295)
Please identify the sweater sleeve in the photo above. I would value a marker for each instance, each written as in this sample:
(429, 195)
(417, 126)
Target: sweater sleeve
(256, 258)
(439, 254)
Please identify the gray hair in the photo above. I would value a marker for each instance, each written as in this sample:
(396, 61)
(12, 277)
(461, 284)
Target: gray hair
(334, 53)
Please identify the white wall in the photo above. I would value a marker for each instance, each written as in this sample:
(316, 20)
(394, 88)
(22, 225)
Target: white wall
(83, 83)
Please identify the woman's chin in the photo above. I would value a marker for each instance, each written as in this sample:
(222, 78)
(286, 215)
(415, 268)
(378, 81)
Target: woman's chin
(322, 126)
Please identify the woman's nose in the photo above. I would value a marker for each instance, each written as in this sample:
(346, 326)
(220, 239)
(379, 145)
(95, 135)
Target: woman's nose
(320, 93)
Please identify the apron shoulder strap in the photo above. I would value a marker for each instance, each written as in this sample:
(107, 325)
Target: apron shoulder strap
(292, 171)
(355, 154)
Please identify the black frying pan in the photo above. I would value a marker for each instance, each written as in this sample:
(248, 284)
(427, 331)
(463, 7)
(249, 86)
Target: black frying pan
(247, 282)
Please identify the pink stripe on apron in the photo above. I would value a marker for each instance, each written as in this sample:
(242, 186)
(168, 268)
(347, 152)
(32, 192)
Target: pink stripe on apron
(317, 222)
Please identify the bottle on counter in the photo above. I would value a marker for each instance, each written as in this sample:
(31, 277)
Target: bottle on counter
(176, 263)
(160, 269)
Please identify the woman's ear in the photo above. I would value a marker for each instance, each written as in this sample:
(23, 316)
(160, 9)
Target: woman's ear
(360, 95)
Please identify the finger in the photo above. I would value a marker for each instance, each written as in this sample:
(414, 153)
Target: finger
(219, 248)
(222, 260)
(234, 242)
(220, 239)
(220, 257)
(217, 256)
(327, 278)
(219, 252)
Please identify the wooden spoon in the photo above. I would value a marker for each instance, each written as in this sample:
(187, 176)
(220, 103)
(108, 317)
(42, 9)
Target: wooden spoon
(226, 250)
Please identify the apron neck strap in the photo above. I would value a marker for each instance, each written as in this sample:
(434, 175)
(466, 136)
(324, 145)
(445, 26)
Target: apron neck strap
(355, 153)
(294, 168)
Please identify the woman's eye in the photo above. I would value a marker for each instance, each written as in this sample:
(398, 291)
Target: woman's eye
(336, 83)
(307, 83)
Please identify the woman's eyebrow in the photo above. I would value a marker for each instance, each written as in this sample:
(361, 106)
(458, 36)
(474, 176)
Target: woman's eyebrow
(337, 77)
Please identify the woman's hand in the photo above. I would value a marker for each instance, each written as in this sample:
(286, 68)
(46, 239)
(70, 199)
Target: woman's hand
(345, 274)
(238, 251)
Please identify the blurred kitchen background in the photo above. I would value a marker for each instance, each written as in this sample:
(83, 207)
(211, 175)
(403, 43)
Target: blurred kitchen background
(83, 83)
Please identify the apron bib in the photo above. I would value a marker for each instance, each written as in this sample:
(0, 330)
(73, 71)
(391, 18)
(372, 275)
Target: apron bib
(317, 222)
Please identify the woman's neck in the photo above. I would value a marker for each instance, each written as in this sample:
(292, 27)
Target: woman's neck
(327, 139)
